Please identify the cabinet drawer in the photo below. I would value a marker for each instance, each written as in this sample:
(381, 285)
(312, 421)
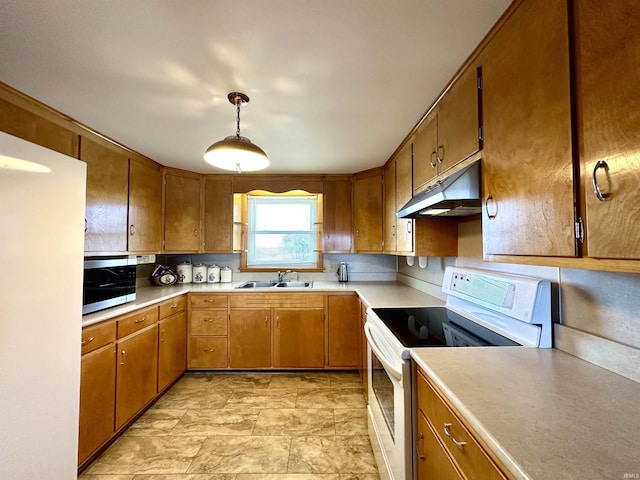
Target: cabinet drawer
(208, 322)
(173, 305)
(207, 352)
(283, 300)
(98, 335)
(470, 457)
(197, 300)
(127, 324)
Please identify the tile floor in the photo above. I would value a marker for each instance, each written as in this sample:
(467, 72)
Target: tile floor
(247, 426)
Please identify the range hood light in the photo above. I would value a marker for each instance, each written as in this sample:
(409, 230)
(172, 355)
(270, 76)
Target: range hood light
(435, 211)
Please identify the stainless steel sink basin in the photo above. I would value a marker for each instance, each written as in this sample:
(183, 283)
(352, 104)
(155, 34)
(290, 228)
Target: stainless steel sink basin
(273, 283)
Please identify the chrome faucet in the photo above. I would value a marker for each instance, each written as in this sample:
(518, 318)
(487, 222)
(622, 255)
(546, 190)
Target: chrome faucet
(281, 275)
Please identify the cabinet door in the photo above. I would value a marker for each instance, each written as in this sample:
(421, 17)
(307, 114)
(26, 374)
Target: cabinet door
(250, 338)
(181, 213)
(97, 400)
(207, 352)
(608, 55)
(298, 338)
(433, 462)
(458, 122)
(337, 216)
(404, 192)
(218, 215)
(145, 206)
(107, 197)
(389, 192)
(425, 146)
(344, 331)
(367, 208)
(136, 373)
(527, 157)
(172, 349)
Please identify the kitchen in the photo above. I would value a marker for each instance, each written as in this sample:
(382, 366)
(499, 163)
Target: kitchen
(597, 290)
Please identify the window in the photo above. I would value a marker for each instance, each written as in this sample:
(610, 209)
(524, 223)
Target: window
(281, 231)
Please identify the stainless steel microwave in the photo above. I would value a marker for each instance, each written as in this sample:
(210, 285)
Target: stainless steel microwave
(108, 282)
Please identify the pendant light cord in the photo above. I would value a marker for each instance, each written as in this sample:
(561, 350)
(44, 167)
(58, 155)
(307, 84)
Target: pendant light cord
(238, 102)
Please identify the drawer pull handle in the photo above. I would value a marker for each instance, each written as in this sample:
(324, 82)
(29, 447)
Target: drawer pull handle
(603, 197)
(208, 319)
(209, 350)
(87, 341)
(210, 300)
(141, 319)
(175, 305)
(448, 434)
(124, 357)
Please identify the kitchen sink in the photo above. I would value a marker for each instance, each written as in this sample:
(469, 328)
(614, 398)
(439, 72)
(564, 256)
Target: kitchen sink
(274, 283)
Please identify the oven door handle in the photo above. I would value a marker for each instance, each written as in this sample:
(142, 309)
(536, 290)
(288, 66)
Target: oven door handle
(378, 352)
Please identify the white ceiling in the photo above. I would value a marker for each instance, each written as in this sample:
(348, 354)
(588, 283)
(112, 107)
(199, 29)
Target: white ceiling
(335, 85)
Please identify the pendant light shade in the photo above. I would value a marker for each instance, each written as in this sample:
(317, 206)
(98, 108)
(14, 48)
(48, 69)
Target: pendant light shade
(237, 152)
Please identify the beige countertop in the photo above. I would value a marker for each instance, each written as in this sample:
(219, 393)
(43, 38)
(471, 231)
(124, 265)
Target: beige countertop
(374, 294)
(545, 413)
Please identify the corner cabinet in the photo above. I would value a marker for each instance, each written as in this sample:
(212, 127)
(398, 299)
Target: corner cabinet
(527, 164)
(607, 74)
(367, 211)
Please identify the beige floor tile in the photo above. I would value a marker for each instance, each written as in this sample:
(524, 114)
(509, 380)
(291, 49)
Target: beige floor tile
(351, 421)
(288, 476)
(358, 476)
(224, 380)
(130, 454)
(193, 381)
(263, 398)
(215, 422)
(186, 399)
(242, 454)
(350, 454)
(155, 422)
(345, 379)
(186, 476)
(332, 398)
(295, 422)
(106, 477)
(300, 380)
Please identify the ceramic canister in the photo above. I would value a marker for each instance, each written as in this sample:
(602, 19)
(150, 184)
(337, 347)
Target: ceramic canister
(185, 272)
(199, 273)
(213, 274)
(225, 274)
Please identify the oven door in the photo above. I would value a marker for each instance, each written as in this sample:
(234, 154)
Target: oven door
(389, 407)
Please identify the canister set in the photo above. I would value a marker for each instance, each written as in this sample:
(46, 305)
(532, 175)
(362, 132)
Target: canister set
(201, 273)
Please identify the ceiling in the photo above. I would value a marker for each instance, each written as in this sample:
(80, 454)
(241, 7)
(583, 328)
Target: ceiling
(335, 85)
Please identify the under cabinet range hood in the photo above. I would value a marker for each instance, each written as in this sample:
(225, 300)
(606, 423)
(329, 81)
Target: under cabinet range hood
(455, 195)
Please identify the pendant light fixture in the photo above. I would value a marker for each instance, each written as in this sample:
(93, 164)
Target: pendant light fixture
(237, 152)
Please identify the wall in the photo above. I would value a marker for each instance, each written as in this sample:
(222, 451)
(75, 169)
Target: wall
(598, 313)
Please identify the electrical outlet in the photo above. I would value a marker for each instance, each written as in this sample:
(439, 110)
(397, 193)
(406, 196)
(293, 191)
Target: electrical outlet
(333, 267)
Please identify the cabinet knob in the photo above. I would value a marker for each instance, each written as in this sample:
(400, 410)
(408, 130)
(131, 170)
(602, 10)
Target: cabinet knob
(132, 229)
(494, 207)
(603, 197)
(87, 341)
(431, 161)
(440, 155)
(123, 357)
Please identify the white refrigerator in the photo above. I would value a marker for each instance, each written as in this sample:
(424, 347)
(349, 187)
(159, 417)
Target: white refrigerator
(42, 197)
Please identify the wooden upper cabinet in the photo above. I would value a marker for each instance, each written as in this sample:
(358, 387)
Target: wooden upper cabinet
(367, 212)
(218, 214)
(527, 156)
(337, 215)
(607, 75)
(389, 195)
(404, 193)
(145, 206)
(182, 232)
(425, 151)
(107, 197)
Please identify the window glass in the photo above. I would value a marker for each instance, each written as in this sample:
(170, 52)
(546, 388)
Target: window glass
(281, 231)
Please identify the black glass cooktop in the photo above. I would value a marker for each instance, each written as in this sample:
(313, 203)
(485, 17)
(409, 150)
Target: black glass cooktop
(438, 327)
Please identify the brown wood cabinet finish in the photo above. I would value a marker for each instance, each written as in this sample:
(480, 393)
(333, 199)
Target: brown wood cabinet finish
(182, 231)
(209, 322)
(97, 336)
(97, 400)
(145, 206)
(142, 318)
(389, 207)
(207, 352)
(337, 225)
(607, 78)
(425, 152)
(250, 338)
(172, 349)
(367, 213)
(107, 197)
(298, 338)
(344, 330)
(527, 156)
(218, 214)
(432, 460)
(136, 373)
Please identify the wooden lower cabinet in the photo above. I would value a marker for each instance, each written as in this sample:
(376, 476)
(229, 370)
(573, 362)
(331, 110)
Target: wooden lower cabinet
(172, 349)
(298, 338)
(250, 338)
(207, 352)
(344, 330)
(438, 428)
(207, 332)
(97, 400)
(136, 373)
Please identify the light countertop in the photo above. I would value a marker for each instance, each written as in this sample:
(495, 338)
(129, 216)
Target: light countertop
(545, 413)
(375, 294)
